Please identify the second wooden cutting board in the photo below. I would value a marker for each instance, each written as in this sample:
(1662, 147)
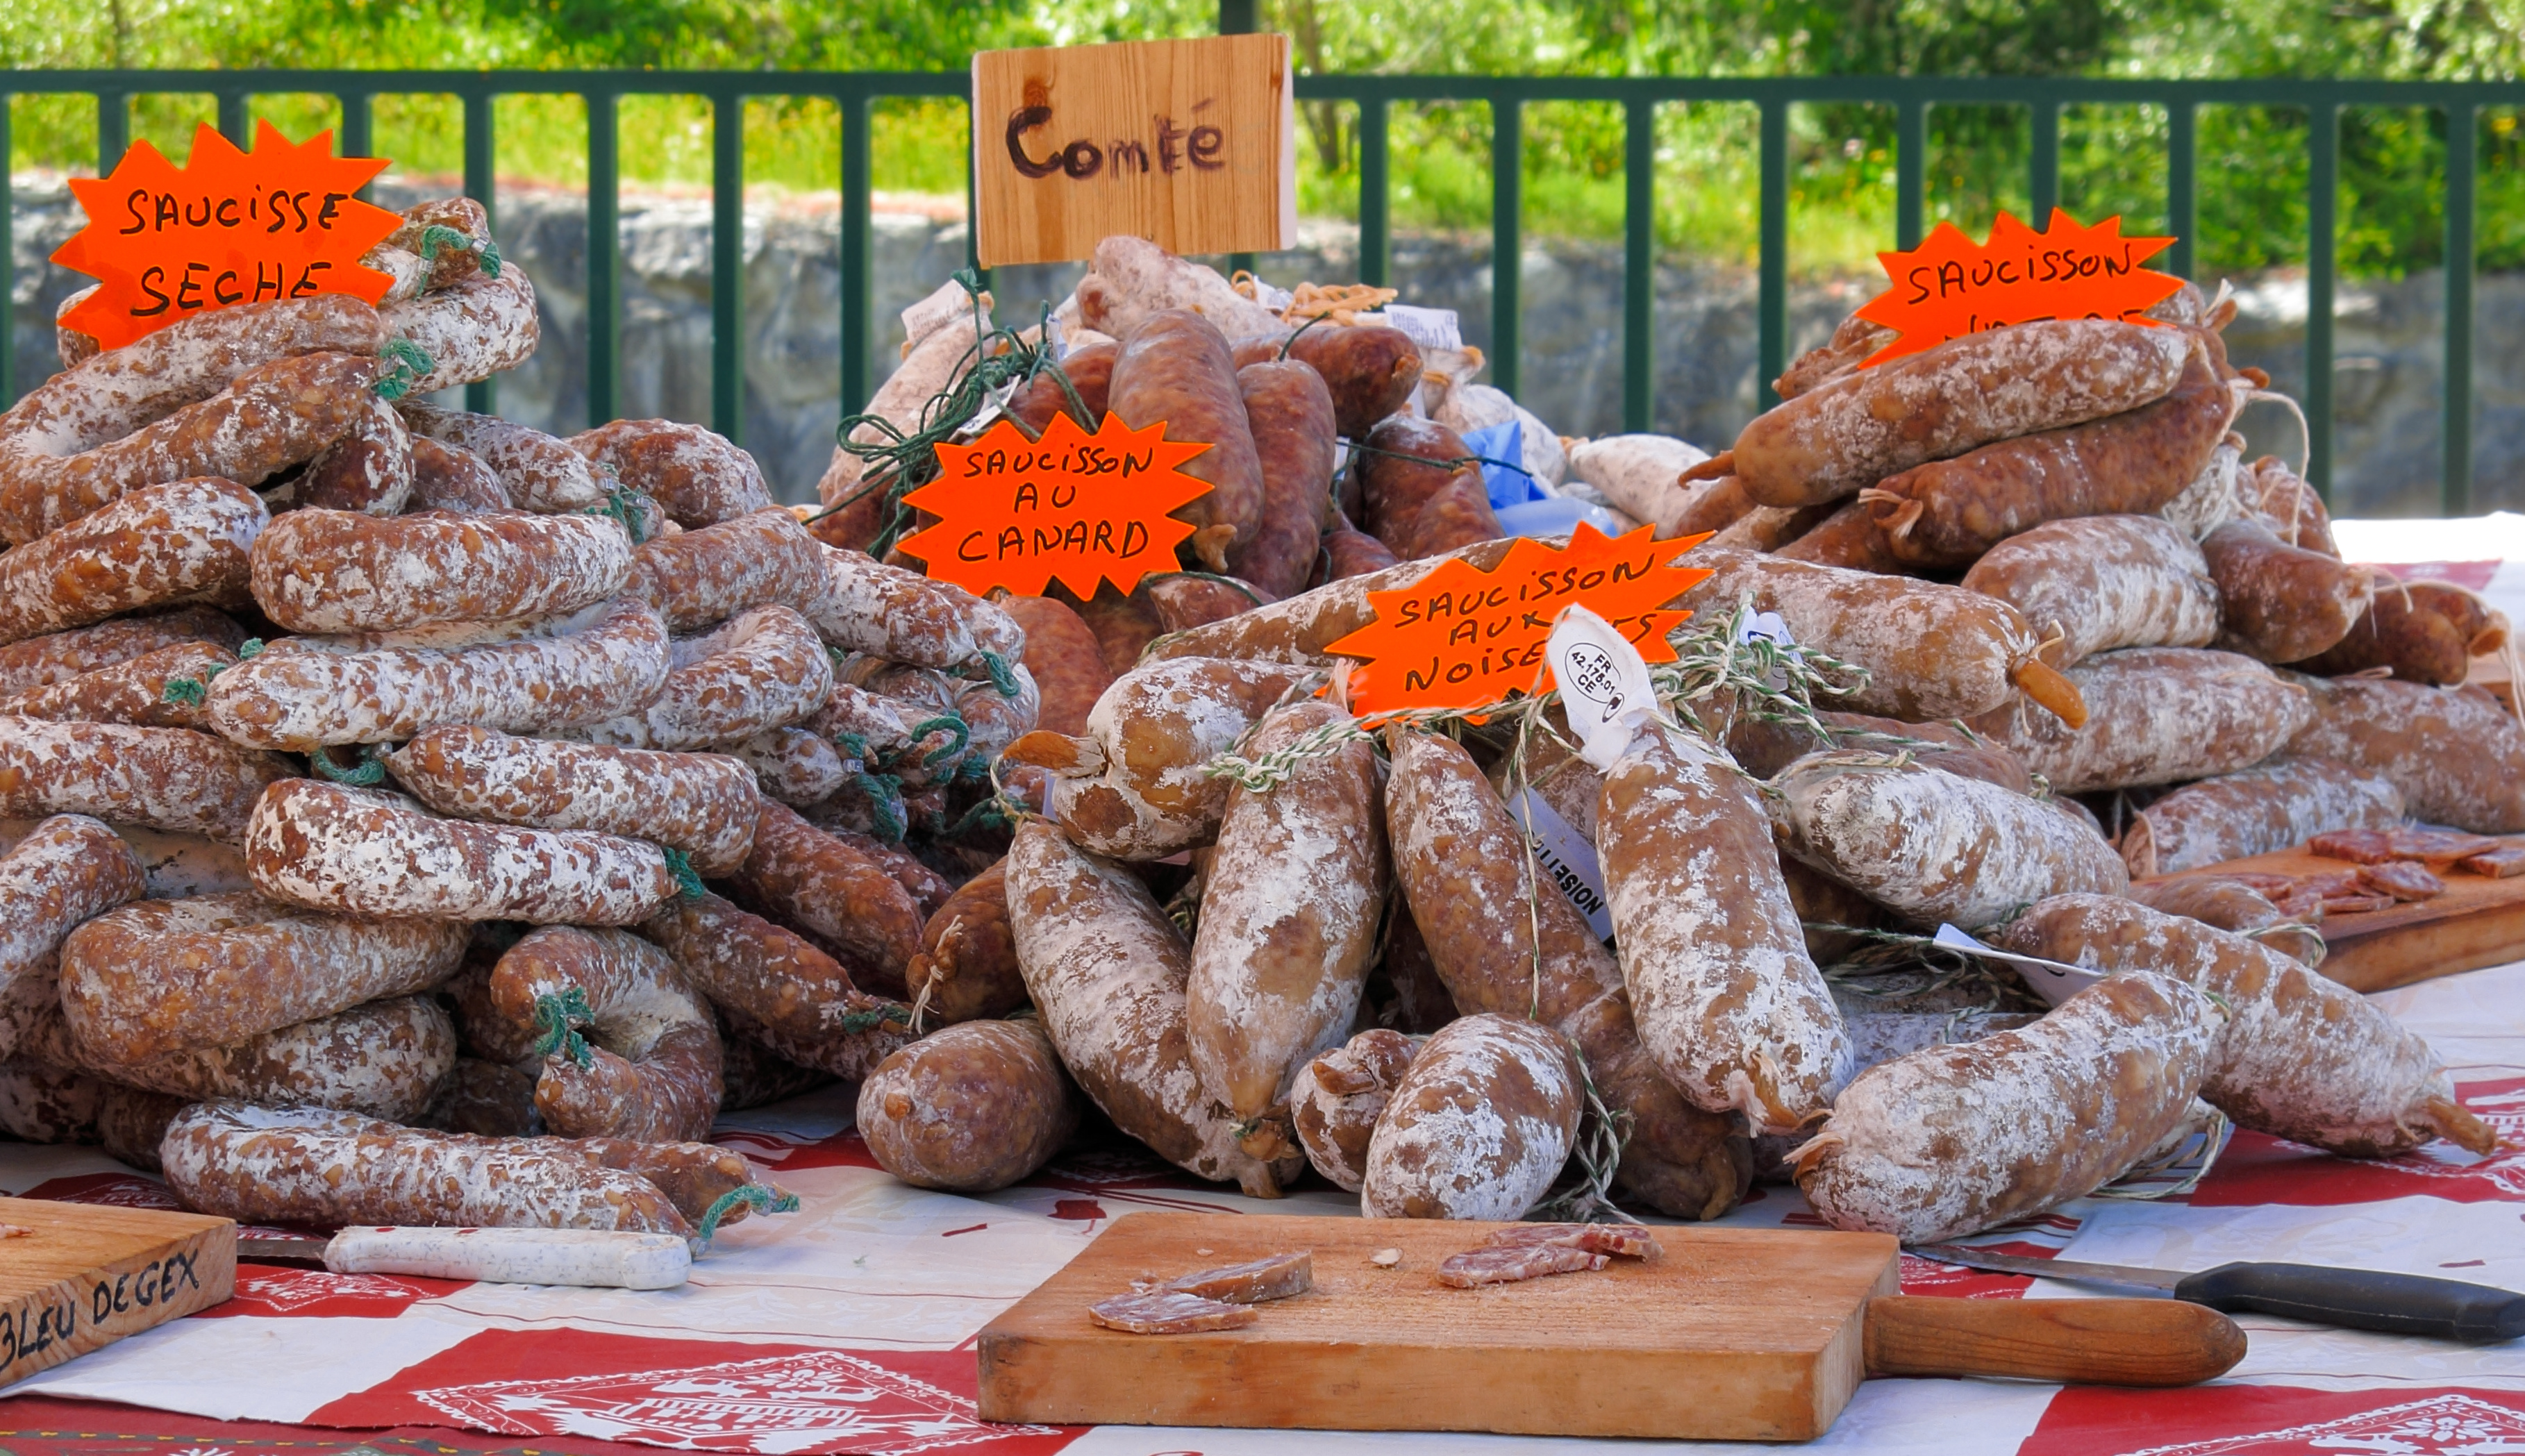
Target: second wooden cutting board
(1736, 1334)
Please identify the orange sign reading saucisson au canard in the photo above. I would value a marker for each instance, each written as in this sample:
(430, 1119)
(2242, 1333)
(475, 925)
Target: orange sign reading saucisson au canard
(1071, 508)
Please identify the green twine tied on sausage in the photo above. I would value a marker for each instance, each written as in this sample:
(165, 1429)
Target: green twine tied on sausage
(883, 1013)
(755, 1195)
(853, 745)
(252, 647)
(688, 881)
(617, 507)
(1003, 676)
(561, 1014)
(411, 364)
(438, 236)
(185, 692)
(367, 773)
(948, 723)
(885, 804)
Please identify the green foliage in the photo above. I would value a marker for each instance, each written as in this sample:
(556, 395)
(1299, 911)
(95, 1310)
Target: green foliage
(2253, 204)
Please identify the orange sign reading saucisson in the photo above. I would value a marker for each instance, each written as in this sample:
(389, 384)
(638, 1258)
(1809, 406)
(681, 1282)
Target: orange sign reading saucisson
(1461, 637)
(228, 227)
(1071, 508)
(1950, 286)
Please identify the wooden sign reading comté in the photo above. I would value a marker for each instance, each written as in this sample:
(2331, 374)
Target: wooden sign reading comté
(1187, 143)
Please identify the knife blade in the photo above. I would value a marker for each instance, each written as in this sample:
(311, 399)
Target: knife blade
(2347, 1298)
(585, 1259)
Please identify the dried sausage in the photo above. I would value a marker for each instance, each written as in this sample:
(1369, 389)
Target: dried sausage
(2456, 756)
(2233, 904)
(354, 852)
(1369, 369)
(1107, 971)
(1335, 1100)
(885, 611)
(969, 1109)
(309, 1166)
(1289, 911)
(649, 1069)
(1730, 1007)
(479, 326)
(540, 472)
(700, 804)
(1064, 658)
(68, 871)
(335, 572)
(162, 778)
(1422, 491)
(2302, 1057)
(1934, 845)
(369, 470)
(2256, 810)
(1478, 1126)
(2156, 715)
(765, 669)
(179, 542)
(1089, 369)
(447, 478)
(704, 575)
(1290, 413)
(1931, 650)
(382, 1059)
(777, 990)
(1967, 392)
(142, 693)
(59, 657)
(967, 969)
(2422, 631)
(2102, 582)
(1175, 369)
(1133, 787)
(1503, 943)
(840, 897)
(1946, 512)
(1952, 1140)
(700, 477)
(171, 975)
(2280, 603)
(559, 673)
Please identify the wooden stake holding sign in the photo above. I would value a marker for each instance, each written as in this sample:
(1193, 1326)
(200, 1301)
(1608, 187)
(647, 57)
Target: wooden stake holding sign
(1187, 143)
(74, 1277)
(1734, 1335)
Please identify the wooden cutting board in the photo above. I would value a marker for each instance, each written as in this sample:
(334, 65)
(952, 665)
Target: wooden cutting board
(85, 1275)
(2478, 922)
(1737, 1333)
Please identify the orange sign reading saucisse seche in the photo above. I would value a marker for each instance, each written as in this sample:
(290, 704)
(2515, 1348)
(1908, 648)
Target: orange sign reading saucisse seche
(1461, 637)
(228, 227)
(1071, 508)
(1950, 286)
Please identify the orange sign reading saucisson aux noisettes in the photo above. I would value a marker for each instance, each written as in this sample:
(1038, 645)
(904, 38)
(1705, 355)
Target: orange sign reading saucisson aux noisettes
(1461, 637)
(1950, 286)
(1071, 508)
(228, 227)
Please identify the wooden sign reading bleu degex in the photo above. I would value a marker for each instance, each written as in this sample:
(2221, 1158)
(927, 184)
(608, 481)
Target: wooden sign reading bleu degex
(1187, 143)
(78, 1276)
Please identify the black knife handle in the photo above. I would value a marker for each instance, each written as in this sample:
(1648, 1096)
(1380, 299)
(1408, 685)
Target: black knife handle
(2360, 1299)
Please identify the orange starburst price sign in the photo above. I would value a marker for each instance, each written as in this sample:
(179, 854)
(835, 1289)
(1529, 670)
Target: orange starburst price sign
(228, 227)
(1461, 637)
(1950, 286)
(1071, 508)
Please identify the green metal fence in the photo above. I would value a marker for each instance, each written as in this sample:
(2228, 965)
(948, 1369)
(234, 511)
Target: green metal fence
(1910, 98)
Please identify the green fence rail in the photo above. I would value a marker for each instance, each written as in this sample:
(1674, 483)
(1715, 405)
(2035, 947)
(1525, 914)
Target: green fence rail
(1910, 97)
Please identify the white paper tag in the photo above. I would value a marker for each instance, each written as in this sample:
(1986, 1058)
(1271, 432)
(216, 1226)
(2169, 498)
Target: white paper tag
(1430, 329)
(1604, 685)
(1566, 858)
(1274, 299)
(2054, 981)
(1770, 626)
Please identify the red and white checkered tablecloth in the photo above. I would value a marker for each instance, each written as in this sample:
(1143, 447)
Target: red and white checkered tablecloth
(848, 1327)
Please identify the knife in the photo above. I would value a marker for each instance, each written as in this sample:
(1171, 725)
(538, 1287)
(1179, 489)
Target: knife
(2350, 1298)
(585, 1259)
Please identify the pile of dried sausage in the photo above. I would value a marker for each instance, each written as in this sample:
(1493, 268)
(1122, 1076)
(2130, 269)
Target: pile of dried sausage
(422, 818)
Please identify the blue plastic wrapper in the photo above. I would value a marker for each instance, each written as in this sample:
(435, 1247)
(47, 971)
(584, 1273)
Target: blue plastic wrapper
(1507, 483)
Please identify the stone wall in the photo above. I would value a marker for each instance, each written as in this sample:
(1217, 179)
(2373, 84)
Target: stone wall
(2386, 391)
